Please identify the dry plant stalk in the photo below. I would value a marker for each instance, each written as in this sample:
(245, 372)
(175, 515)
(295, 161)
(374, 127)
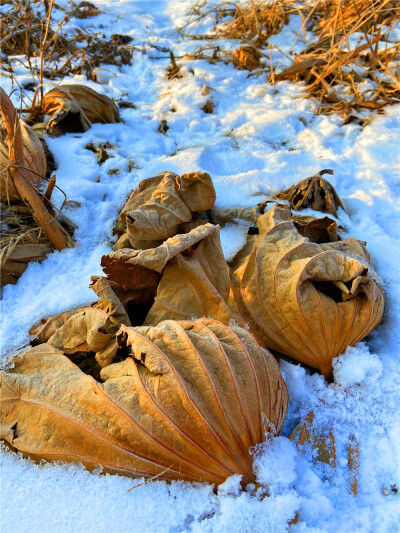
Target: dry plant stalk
(33, 155)
(187, 401)
(20, 174)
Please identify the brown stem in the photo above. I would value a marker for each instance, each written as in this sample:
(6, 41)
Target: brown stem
(24, 187)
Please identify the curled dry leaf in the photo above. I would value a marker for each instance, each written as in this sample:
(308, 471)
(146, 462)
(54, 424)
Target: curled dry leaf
(89, 329)
(33, 159)
(306, 300)
(159, 205)
(187, 402)
(73, 108)
(313, 192)
(318, 230)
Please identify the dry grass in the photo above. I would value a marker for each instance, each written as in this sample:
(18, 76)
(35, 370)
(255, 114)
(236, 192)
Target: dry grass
(23, 31)
(351, 65)
(352, 48)
(256, 21)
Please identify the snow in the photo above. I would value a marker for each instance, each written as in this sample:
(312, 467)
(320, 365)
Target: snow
(254, 142)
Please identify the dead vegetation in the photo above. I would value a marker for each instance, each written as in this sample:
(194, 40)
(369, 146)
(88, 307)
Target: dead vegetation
(352, 64)
(27, 31)
(353, 50)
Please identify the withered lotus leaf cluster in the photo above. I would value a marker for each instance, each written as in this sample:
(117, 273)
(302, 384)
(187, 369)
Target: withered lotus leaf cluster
(172, 377)
(187, 402)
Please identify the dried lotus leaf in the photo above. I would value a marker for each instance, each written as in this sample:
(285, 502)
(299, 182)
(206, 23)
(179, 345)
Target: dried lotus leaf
(159, 206)
(185, 277)
(139, 196)
(188, 402)
(110, 302)
(73, 108)
(48, 326)
(14, 263)
(224, 215)
(314, 192)
(197, 191)
(34, 159)
(195, 284)
(305, 300)
(88, 330)
(159, 218)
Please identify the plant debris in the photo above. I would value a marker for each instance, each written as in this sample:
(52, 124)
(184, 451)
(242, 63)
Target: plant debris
(335, 70)
(85, 10)
(247, 58)
(314, 192)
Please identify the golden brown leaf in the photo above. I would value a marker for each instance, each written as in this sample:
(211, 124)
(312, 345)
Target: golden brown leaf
(188, 402)
(306, 300)
(73, 108)
(192, 276)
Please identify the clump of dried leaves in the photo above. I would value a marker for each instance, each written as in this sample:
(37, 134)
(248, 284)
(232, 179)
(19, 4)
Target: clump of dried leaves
(142, 388)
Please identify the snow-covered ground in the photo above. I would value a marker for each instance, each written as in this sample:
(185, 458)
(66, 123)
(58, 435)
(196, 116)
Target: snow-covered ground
(275, 140)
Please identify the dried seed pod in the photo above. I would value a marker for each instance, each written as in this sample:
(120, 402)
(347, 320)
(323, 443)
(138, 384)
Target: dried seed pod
(313, 192)
(34, 159)
(306, 300)
(188, 402)
(74, 107)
